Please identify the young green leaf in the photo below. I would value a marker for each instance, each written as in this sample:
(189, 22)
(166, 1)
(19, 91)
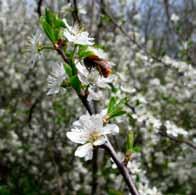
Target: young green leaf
(75, 82)
(111, 104)
(130, 142)
(116, 107)
(47, 29)
(52, 25)
(68, 70)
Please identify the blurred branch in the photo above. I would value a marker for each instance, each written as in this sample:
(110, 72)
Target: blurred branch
(94, 172)
(181, 141)
(75, 12)
(131, 39)
(33, 106)
(39, 7)
(100, 24)
(92, 15)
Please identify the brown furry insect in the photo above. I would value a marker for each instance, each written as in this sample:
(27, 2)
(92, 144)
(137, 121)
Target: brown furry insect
(100, 64)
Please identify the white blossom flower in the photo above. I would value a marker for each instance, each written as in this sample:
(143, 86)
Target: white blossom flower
(175, 18)
(32, 47)
(95, 80)
(56, 78)
(133, 166)
(146, 190)
(90, 131)
(73, 34)
(174, 130)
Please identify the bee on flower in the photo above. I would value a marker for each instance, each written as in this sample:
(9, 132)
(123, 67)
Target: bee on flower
(93, 79)
(97, 60)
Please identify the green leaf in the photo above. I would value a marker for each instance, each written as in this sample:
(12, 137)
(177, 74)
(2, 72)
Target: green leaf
(53, 19)
(47, 29)
(4, 190)
(117, 113)
(75, 82)
(137, 149)
(68, 69)
(114, 192)
(52, 25)
(130, 142)
(115, 107)
(111, 104)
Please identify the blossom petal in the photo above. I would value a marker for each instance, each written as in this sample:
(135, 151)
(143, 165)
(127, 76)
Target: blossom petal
(77, 137)
(110, 129)
(67, 25)
(56, 78)
(85, 150)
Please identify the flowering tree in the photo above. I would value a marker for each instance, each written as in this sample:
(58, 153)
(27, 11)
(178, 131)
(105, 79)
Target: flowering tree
(131, 119)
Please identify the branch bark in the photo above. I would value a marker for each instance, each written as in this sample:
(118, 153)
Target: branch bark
(122, 168)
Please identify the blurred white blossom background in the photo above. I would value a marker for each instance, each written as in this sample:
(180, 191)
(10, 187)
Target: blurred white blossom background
(152, 47)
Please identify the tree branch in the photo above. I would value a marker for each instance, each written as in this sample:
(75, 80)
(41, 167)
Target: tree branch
(122, 168)
(94, 171)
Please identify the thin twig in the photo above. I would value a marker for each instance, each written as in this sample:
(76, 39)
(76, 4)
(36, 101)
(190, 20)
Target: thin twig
(182, 141)
(75, 12)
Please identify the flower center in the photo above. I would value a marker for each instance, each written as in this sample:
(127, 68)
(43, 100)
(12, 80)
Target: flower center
(94, 136)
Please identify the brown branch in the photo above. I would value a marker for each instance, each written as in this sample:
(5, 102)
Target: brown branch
(65, 59)
(122, 168)
(39, 7)
(85, 103)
